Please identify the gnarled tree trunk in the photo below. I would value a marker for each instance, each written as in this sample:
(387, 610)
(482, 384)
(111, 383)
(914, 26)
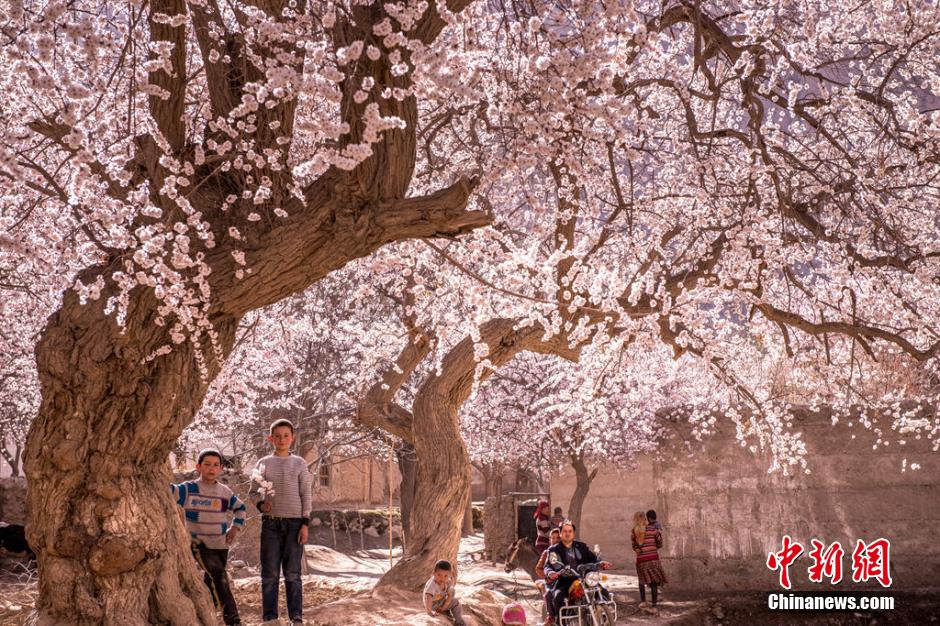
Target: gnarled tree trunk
(111, 546)
(442, 481)
(442, 487)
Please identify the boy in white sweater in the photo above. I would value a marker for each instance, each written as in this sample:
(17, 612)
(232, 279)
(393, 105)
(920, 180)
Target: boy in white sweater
(285, 515)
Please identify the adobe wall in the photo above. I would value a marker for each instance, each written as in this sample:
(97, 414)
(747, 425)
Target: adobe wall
(13, 500)
(723, 512)
(356, 482)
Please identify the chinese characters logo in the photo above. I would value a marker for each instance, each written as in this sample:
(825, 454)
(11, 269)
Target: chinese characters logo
(869, 561)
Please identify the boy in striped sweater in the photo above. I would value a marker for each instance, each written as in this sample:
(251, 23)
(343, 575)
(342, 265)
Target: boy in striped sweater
(209, 507)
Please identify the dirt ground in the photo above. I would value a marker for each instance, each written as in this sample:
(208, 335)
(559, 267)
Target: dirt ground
(337, 590)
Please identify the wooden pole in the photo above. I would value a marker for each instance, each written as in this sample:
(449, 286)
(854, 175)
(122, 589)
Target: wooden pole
(390, 505)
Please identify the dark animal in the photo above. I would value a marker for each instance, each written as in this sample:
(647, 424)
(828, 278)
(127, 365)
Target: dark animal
(13, 542)
(522, 554)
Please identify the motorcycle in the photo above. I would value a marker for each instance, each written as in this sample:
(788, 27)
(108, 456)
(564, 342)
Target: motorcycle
(588, 602)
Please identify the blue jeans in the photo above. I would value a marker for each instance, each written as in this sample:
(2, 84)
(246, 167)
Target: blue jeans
(280, 551)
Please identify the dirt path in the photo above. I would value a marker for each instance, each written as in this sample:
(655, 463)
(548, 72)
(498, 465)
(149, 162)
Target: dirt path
(337, 591)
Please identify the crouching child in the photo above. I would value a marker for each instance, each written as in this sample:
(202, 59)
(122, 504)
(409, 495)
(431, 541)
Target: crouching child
(214, 516)
(439, 594)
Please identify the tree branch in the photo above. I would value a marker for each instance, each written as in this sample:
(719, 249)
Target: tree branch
(431, 24)
(206, 18)
(57, 132)
(169, 43)
(857, 331)
(331, 231)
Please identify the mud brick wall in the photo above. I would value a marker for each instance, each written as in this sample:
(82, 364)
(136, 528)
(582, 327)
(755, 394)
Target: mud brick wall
(13, 500)
(723, 512)
(499, 526)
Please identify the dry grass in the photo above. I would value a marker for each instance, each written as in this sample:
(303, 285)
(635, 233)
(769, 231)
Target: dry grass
(16, 601)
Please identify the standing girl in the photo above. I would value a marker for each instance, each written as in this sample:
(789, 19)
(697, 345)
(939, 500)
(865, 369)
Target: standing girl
(647, 540)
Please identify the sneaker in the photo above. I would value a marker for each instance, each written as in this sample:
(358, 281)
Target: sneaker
(643, 604)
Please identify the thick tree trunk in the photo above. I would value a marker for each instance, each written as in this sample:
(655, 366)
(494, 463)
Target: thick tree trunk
(583, 480)
(112, 548)
(442, 480)
(442, 489)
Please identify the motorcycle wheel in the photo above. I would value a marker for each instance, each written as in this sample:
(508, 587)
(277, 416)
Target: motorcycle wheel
(608, 615)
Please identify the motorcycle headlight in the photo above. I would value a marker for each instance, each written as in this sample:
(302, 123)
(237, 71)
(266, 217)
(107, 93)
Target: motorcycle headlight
(593, 578)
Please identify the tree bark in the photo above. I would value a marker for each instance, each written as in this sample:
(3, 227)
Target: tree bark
(583, 480)
(442, 488)
(111, 545)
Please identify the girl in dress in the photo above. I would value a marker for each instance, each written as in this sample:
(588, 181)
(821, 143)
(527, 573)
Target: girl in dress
(647, 540)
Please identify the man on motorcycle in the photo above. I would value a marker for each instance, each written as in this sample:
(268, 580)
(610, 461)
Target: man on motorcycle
(566, 552)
